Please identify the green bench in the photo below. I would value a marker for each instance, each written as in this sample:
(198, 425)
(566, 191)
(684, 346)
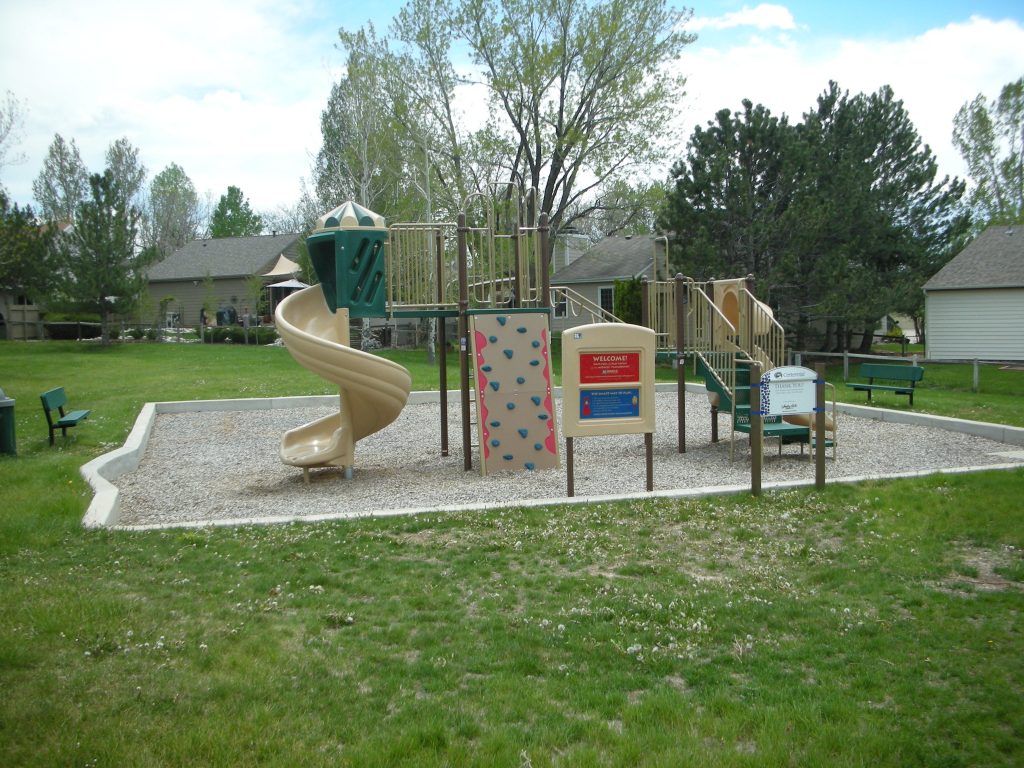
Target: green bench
(55, 400)
(906, 376)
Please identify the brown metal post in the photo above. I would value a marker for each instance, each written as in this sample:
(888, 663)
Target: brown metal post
(756, 433)
(517, 282)
(467, 441)
(714, 424)
(680, 301)
(649, 450)
(569, 478)
(442, 340)
(819, 426)
(544, 230)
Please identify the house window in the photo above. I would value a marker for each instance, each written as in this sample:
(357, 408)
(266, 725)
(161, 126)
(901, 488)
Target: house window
(606, 296)
(561, 306)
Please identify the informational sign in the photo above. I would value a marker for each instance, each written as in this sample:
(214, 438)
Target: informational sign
(608, 380)
(610, 403)
(788, 390)
(609, 367)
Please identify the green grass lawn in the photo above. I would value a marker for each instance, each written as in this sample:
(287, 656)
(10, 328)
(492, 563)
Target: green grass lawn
(876, 624)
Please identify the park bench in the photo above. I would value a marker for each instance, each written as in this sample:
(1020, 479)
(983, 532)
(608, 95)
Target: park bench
(55, 400)
(901, 378)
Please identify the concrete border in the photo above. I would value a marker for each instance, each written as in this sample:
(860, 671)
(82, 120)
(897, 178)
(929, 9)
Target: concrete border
(101, 472)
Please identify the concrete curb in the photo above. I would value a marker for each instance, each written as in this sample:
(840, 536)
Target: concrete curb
(101, 472)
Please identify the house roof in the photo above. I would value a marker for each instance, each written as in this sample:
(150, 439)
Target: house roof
(225, 257)
(994, 259)
(614, 258)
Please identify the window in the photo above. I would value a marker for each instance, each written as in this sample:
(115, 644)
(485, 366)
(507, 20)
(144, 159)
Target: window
(606, 298)
(561, 306)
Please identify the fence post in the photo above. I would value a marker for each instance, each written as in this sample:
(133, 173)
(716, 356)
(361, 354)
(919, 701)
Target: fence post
(846, 365)
(976, 381)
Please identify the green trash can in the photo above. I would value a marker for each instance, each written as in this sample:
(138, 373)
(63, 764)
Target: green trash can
(7, 444)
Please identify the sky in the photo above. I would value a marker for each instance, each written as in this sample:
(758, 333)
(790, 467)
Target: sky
(232, 90)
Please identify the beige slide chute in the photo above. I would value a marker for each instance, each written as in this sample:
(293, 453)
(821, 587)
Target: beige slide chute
(373, 391)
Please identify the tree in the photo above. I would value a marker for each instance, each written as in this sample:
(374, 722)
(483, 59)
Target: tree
(62, 183)
(580, 93)
(990, 138)
(12, 121)
(27, 267)
(730, 194)
(103, 272)
(128, 171)
(233, 217)
(583, 90)
(173, 215)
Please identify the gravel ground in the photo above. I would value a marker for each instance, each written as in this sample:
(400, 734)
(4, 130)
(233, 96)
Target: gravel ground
(224, 466)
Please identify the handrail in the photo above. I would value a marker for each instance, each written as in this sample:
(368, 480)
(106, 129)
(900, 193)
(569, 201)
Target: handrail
(578, 304)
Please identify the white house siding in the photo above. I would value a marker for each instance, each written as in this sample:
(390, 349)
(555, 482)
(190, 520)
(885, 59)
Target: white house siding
(985, 324)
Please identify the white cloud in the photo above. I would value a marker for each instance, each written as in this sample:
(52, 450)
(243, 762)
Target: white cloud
(764, 16)
(933, 73)
(231, 90)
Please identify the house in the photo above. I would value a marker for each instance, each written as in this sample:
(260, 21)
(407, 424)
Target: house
(180, 281)
(593, 274)
(974, 306)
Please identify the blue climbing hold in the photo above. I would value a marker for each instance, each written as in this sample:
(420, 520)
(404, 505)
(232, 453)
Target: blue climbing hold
(535, 344)
(538, 446)
(535, 399)
(535, 362)
(485, 368)
(520, 379)
(529, 465)
(523, 433)
(495, 424)
(510, 406)
(521, 329)
(493, 339)
(502, 320)
(543, 417)
(495, 443)
(508, 353)
(495, 385)
(508, 457)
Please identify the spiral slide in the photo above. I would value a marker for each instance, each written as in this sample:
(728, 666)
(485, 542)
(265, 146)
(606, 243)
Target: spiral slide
(373, 390)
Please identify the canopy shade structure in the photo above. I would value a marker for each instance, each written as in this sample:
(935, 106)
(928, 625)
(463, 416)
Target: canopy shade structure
(293, 283)
(283, 266)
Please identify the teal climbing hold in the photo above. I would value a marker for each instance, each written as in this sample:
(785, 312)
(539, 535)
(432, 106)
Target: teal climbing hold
(521, 329)
(508, 457)
(535, 344)
(495, 424)
(508, 353)
(485, 368)
(494, 385)
(543, 417)
(535, 399)
(493, 339)
(538, 446)
(535, 362)
(510, 406)
(495, 443)
(529, 465)
(502, 320)
(520, 379)
(523, 433)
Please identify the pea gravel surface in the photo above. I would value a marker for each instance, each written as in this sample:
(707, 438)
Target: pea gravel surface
(223, 466)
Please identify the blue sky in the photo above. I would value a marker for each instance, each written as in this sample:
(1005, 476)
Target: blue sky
(232, 90)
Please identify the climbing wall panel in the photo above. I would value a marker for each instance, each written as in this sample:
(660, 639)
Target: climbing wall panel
(515, 409)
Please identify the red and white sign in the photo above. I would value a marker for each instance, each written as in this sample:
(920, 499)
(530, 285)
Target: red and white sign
(609, 367)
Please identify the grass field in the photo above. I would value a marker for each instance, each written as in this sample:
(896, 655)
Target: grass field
(877, 624)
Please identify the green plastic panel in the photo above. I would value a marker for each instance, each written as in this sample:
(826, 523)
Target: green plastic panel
(350, 266)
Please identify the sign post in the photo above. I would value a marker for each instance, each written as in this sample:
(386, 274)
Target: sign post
(608, 386)
(792, 390)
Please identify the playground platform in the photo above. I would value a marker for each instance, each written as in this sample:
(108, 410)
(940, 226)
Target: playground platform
(217, 463)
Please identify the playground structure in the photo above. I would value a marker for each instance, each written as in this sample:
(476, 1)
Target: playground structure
(494, 278)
